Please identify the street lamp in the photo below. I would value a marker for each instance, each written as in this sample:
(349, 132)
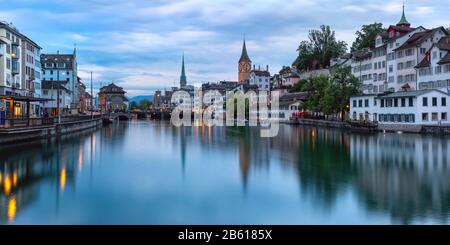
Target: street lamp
(57, 93)
(92, 96)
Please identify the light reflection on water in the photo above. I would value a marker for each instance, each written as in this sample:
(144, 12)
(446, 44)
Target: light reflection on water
(146, 172)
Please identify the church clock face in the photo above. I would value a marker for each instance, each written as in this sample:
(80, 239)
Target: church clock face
(246, 67)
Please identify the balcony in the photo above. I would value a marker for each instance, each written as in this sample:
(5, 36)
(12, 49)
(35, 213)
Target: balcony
(15, 69)
(15, 53)
(15, 44)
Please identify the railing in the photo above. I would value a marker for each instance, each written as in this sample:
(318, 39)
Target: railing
(23, 122)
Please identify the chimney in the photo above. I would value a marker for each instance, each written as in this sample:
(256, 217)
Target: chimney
(57, 52)
(267, 68)
(254, 67)
(259, 67)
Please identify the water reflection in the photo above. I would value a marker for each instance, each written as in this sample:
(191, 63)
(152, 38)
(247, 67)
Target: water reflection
(150, 172)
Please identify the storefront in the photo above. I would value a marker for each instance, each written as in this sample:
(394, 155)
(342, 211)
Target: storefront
(18, 107)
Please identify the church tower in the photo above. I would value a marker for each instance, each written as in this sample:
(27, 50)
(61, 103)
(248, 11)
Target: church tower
(183, 80)
(245, 65)
(403, 22)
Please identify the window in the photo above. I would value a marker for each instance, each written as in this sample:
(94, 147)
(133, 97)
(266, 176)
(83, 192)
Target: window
(389, 103)
(443, 101)
(359, 103)
(354, 103)
(403, 102)
(395, 102)
(434, 101)
(366, 103)
(410, 102)
(382, 102)
(391, 68)
(444, 116)
(424, 101)
(435, 56)
(374, 101)
(45, 92)
(8, 63)
(424, 117)
(434, 116)
(438, 69)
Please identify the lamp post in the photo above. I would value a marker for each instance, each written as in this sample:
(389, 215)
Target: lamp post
(57, 94)
(92, 96)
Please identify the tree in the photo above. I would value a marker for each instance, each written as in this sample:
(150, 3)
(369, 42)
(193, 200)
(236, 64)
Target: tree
(343, 85)
(365, 38)
(448, 29)
(321, 47)
(133, 105)
(285, 70)
(144, 104)
(329, 94)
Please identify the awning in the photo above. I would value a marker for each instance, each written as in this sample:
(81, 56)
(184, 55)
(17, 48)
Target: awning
(23, 98)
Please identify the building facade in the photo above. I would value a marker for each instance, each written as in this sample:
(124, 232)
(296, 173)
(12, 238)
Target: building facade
(19, 72)
(418, 107)
(112, 98)
(260, 78)
(244, 66)
(63, 69)
(434, 68)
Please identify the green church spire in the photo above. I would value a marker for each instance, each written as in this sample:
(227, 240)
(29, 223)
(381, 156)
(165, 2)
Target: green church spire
(183, 80)
(403, 20)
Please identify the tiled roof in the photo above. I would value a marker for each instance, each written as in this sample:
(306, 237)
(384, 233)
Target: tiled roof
(261, 73)
(444, 43)
(445, 59)
(424, 63)
(68, 59)
(418, 38)
(53, 84)
(413, 93)
(112, 88)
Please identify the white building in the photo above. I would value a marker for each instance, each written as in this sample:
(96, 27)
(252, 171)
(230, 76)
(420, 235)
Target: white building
(62, 68)
(31, 75)
(390, 64)
(260, 78)
(411, 52)
(19, 72)
(418, 107)
(50, 90)
(434, 69)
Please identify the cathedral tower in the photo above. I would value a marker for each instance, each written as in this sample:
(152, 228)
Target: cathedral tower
(245, 65)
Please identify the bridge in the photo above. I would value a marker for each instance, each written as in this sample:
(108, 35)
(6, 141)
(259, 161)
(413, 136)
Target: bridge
(118, 116)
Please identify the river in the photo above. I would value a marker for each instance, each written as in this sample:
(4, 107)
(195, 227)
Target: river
(148, 172)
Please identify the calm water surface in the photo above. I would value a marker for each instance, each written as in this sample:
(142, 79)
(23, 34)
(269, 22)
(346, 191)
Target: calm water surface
(144, 172)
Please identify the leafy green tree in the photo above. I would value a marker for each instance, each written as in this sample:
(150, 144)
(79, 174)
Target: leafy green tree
(144, 104)
(365, 38)
(133, 105)
(343, 85)
(285, 70)
(329, 94)
(314, 87)
(321, 47)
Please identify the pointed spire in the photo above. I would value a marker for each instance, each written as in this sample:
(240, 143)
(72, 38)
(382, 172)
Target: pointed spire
(244, 55)
(403, 20)
(183, 80)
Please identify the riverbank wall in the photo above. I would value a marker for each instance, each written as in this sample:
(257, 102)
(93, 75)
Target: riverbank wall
(13, 135)
(422, 129)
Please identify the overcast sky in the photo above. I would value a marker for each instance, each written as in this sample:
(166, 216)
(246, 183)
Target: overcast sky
(138, 43)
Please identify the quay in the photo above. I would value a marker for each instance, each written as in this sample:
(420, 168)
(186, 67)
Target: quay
(48, 127)
(361, 126)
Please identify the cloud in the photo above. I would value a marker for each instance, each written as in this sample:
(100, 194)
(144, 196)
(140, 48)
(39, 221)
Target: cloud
(138, 43)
